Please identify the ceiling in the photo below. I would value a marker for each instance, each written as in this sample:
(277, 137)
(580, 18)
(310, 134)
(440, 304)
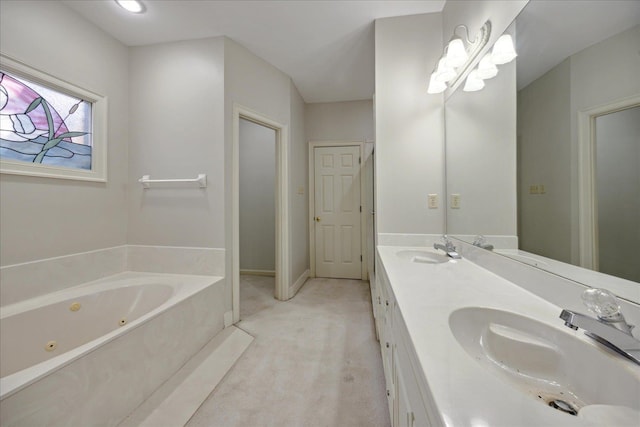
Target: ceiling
(327, 46)
(548, 31)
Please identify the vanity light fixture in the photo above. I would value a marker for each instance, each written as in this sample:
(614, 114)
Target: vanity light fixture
(435, 86)
(133, 6)
(502, 53)
(444, 73)
(503, 50)
(457, 57)
(487, 69)
(456, 53)
(474, 82)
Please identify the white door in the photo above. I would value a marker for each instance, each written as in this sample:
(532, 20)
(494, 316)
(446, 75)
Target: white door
(337, 212)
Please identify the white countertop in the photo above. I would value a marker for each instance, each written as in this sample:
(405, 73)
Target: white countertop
(463, 392)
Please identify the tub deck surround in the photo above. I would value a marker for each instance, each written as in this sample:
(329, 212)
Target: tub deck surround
(102, 380)
(457, 388)
(27, 280)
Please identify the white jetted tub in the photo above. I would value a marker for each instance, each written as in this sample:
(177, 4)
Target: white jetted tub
(91, 354)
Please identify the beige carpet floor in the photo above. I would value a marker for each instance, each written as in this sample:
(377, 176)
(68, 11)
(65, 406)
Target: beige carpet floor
(314, 360)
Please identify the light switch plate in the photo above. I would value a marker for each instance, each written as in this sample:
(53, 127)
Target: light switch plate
(455, 201)
(432, 201)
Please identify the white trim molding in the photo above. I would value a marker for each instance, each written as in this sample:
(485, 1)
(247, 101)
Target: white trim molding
(271, 273)
(282, 205)
(295, 286)
(587, 197)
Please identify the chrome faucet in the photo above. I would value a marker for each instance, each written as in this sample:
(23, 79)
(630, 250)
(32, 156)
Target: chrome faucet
(448, 247)
(481, 242)
(609, 328)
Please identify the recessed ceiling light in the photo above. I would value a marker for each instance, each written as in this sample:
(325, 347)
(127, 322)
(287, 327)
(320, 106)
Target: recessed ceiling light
(133, 6)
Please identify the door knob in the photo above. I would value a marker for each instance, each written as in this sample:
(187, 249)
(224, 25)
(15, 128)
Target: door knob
(317, 219)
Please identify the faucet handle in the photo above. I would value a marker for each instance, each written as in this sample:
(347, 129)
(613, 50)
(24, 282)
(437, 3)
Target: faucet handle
(479, 240)
(602, 302)
(448, 244)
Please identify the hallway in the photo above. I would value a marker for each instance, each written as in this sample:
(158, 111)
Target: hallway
(314, 360)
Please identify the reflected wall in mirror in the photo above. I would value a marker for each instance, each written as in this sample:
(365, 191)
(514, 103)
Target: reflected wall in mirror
(569, 64)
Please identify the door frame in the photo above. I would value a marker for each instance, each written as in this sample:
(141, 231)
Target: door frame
(587, 197)
(312, 203)
(282, 204)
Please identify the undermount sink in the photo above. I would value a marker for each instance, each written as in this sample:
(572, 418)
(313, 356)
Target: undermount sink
(548, 364)
(422, 256)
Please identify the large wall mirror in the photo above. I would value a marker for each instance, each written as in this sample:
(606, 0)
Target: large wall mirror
(552, 177)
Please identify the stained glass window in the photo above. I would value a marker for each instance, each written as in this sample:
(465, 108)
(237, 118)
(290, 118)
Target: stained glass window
(47, 126)
(41, 125)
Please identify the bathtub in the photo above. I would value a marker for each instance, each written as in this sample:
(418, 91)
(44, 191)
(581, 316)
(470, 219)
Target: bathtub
(91, 354)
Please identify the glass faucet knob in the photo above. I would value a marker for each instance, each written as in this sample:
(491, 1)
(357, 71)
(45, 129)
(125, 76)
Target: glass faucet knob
(602, 302)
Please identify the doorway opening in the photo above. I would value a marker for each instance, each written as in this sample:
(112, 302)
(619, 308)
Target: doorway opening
(596, 150)
(257, 213)
(261, 125)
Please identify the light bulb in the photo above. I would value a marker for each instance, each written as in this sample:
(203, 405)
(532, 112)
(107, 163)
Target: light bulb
(486, 68)
(503, 50)
(456, 53)
(473, 83)
(435, 86)
(444, 73)
(133, 6)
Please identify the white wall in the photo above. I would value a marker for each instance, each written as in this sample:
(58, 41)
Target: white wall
(257, 197)
(591, 82)
(339, 121)
(255, 84)
(481, 157)
(176, 99)
(408, 125)
(618, 190)
(42, 217)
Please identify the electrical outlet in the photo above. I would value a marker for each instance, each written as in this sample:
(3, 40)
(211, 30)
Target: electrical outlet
(432, 201)
(300, 190)
(541, 189)
(455, 201)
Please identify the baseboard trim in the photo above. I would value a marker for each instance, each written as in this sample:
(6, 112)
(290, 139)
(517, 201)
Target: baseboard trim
(295, 287)
(259, 272)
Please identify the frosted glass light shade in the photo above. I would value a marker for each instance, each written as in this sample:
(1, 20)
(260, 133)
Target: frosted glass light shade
(456, 53)
(487, 69)
(473, 83)
(503, 50)
(435, 86)
(444, 73)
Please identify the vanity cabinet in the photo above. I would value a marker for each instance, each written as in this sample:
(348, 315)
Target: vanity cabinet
(406, 404)
(384, 324)
(410, 410)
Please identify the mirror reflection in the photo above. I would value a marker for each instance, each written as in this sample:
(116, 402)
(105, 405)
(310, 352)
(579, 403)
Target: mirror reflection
(567, 193)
